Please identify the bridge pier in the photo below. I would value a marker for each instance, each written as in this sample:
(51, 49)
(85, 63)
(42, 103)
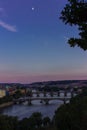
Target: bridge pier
(38, 94)
(51, 93)
(29, 102)
(46, 101)
(44, 94)
(58, 93)
(16, 102)
(29, 93)
(65, 93)
(64, 101)
(41, 101)
(72, 94)
(20, 102)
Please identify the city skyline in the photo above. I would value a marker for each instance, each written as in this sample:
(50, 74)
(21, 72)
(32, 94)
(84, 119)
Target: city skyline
(33, 43)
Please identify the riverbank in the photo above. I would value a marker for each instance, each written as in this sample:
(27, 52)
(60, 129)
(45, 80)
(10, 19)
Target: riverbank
(7, 104)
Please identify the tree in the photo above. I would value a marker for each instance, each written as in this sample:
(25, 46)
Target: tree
(72, 116)
(24, 124)
(46, 121)
(36, 119)
(8, 123)
(17, 94)
(75, 13)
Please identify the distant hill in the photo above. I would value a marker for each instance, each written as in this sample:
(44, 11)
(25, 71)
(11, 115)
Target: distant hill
(60, 82)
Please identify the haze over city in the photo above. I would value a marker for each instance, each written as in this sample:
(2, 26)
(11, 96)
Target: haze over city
(33, 43)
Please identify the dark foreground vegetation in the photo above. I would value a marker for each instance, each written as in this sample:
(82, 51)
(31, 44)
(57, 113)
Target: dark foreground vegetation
(71, 116)
(5, 99)
(75, 13)
(34, 122)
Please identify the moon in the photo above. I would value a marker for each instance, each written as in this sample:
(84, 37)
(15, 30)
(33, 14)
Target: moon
(33, 8)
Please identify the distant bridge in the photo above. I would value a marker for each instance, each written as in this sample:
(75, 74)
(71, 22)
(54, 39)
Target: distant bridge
(42, 99)
(51, 93)
(45, 98)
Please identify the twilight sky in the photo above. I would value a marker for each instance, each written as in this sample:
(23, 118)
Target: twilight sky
(33, 43)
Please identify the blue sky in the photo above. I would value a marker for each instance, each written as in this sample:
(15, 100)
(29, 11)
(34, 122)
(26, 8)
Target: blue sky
(33, 43)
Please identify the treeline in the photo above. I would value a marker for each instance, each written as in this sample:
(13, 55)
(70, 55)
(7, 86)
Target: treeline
(34, 122)
(73, 116)
(9, 98)
(6, 99)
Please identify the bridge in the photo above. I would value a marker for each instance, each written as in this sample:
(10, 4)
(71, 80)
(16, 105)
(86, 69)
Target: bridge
(42, 99)
(51, 93)
(45, 97)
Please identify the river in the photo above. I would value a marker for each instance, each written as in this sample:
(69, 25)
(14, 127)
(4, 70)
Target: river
(24, 110)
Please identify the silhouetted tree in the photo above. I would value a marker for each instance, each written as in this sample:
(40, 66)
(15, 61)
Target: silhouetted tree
(72, 116)
(8, 123)
(75, 13)
(46, 121)
(36, 118)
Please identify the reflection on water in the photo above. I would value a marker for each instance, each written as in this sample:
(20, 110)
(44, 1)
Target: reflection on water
(24, 110)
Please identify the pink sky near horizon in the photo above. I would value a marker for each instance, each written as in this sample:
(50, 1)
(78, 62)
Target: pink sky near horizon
(22, 76)
(40, 78)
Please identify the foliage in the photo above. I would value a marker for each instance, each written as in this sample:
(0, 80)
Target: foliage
(75, 13)
(36, 119)
(9, 98)
(25, 124)
(17, 94)
(73, 116)
(29, 93)
(8, 123)
(5, 99)
(46, 121)
(34, 122)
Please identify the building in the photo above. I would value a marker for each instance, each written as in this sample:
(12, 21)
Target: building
(10, 90)
(2, 93)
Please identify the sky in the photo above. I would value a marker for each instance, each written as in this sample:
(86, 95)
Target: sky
(33, 43)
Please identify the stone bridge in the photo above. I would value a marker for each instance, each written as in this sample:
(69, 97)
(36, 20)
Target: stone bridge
(45, 98)
(44, 93)
(42, 99)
